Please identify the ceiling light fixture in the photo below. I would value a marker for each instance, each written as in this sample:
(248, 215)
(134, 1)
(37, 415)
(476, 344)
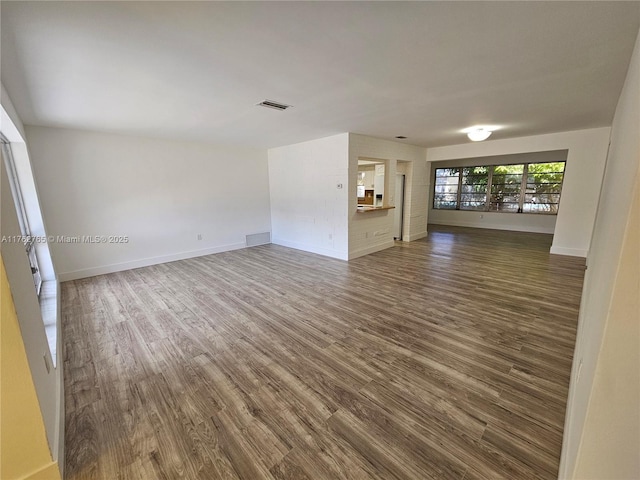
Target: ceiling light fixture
(479, 133)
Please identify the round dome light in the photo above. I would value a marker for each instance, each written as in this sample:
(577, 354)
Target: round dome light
(479, 134)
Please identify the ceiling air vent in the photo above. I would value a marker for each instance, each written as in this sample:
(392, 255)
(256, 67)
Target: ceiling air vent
(274, 105)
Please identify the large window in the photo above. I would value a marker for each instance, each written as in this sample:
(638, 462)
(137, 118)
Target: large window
(517, 188)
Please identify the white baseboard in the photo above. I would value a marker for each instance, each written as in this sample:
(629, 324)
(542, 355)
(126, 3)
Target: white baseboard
(310, 248)
(145, 262)
(489, 226)
(416, 236)
(48, 472)
(572, 252)
(371, 249)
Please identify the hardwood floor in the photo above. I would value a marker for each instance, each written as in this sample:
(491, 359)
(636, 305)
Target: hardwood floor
(447, 357)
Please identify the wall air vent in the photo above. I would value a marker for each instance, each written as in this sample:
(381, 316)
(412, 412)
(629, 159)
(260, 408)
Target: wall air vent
(258, 239)
(274, 105)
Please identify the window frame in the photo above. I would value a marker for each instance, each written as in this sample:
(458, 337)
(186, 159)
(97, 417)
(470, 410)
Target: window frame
(462, 185)
(526, 183)
(522, 192)
(458, 186)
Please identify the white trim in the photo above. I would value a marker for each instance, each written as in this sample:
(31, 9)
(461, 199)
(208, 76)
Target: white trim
(145, 262)
(513, 228)
(58, 450)
(310, 248)
(50, 470)
(9, 128)
(573, 252)
(415, 236)
(371, 249)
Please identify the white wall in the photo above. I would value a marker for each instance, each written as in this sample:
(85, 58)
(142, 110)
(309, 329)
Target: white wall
(308, 210)
(160, 194)
(310, 213)
(373, 231)
(49, 385)
(580, 190)
(602, 428)
(494, 220)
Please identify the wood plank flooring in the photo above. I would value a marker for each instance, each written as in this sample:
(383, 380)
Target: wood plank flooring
(445, 358)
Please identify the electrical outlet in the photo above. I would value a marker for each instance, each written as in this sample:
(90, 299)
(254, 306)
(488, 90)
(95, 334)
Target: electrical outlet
(199, 236)
(339, 186)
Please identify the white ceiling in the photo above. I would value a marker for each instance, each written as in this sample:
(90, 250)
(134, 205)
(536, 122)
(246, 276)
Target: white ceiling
(426, 70)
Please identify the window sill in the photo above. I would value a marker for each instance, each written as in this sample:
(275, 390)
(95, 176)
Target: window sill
(49, 311)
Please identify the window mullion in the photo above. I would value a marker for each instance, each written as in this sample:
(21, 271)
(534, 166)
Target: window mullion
(459, 189)
(487, 205)
(523, 187)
